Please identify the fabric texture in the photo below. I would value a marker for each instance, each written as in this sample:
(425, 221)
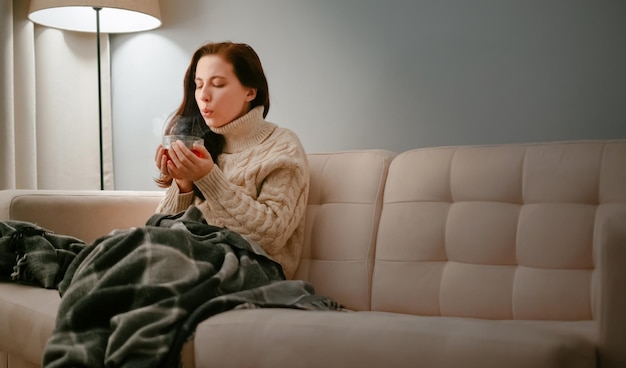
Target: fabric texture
(259, 188)
(342, 215)
(134, 297)
(33, 255)
(498, 231)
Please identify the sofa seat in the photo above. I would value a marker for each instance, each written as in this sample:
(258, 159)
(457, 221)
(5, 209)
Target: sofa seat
(280, 338)
(27, 319)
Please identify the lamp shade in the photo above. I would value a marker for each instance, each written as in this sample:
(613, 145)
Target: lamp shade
(116, 16)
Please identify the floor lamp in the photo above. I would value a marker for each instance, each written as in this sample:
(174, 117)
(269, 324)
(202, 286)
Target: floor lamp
(106, 16)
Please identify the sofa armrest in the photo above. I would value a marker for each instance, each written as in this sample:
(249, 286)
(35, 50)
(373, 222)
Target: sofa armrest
(86, 215)
(611, 239)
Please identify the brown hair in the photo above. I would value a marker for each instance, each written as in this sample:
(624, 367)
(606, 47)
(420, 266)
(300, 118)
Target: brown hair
(187, 119)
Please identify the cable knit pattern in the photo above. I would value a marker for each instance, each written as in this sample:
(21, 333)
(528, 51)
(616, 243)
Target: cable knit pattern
(259, 188)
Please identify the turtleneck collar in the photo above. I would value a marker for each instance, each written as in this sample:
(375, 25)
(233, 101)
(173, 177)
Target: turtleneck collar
(246, 131)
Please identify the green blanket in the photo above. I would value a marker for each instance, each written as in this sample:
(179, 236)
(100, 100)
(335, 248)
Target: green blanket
(30, 254)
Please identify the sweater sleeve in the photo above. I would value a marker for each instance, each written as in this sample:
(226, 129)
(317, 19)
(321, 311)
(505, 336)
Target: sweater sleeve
(174, 201)
(270, 216)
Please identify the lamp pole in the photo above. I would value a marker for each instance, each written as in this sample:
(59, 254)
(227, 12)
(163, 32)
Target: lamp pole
(97, 9)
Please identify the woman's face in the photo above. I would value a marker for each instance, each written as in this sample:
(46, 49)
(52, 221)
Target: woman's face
(220, 96)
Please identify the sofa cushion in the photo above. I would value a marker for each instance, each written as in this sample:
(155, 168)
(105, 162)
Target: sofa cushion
(497, 232)
(294, 338)
(342, 216)
(27, 319)
(13, 361)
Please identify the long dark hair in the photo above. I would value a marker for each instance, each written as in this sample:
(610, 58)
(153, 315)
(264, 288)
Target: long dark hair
(187, 119)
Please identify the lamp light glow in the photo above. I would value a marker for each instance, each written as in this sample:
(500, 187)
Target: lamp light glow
(117, 16)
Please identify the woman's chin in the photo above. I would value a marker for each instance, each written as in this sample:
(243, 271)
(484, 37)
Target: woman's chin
(211, 123)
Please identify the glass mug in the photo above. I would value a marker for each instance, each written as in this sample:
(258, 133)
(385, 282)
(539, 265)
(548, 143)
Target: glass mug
(188, 140)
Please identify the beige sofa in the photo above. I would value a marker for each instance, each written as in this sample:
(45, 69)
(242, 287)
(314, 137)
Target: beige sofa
(486, 256)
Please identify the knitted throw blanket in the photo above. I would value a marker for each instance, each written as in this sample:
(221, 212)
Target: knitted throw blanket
(134, 297)
(32, 255)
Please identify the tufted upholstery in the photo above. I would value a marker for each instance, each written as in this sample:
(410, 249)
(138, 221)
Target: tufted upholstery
(497, 232)
(344, 185)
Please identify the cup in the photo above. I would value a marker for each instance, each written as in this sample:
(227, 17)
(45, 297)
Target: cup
(188, 140)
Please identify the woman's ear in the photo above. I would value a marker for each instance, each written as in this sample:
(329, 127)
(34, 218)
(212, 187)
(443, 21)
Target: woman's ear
(251, 95)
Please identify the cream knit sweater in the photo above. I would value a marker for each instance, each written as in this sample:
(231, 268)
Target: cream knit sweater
(259, 188)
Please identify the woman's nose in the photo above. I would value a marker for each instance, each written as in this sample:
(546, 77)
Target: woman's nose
(205, 95)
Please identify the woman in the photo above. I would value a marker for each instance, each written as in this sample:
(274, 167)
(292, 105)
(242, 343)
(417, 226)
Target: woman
(251, 176)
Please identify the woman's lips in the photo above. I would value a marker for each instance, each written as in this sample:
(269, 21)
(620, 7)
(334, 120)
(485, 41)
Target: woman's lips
(207, 113)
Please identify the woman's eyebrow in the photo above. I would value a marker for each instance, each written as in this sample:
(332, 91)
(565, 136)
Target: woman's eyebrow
(211, 78)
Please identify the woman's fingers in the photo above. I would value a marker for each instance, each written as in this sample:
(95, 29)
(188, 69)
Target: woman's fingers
(181, 155)
(190, 164)
(160, 151)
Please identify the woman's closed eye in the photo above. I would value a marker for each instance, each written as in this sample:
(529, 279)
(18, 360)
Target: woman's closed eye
(215, 82)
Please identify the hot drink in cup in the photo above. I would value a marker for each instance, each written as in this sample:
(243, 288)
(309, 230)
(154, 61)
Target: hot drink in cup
(188, 140)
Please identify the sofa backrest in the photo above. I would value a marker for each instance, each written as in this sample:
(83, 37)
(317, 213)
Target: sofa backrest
(498, 232)
(343, 211)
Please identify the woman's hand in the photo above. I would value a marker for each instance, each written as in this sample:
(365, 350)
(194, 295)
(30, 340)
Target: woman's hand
(160, 157)
(183, 164)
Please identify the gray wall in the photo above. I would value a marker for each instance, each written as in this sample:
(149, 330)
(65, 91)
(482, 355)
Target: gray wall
(353, 74)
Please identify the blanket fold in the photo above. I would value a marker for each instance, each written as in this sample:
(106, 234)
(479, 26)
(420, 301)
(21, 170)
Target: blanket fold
(135, 296)
(33, 255)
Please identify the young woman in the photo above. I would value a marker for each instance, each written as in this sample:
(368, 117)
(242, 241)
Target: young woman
(251, 176)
